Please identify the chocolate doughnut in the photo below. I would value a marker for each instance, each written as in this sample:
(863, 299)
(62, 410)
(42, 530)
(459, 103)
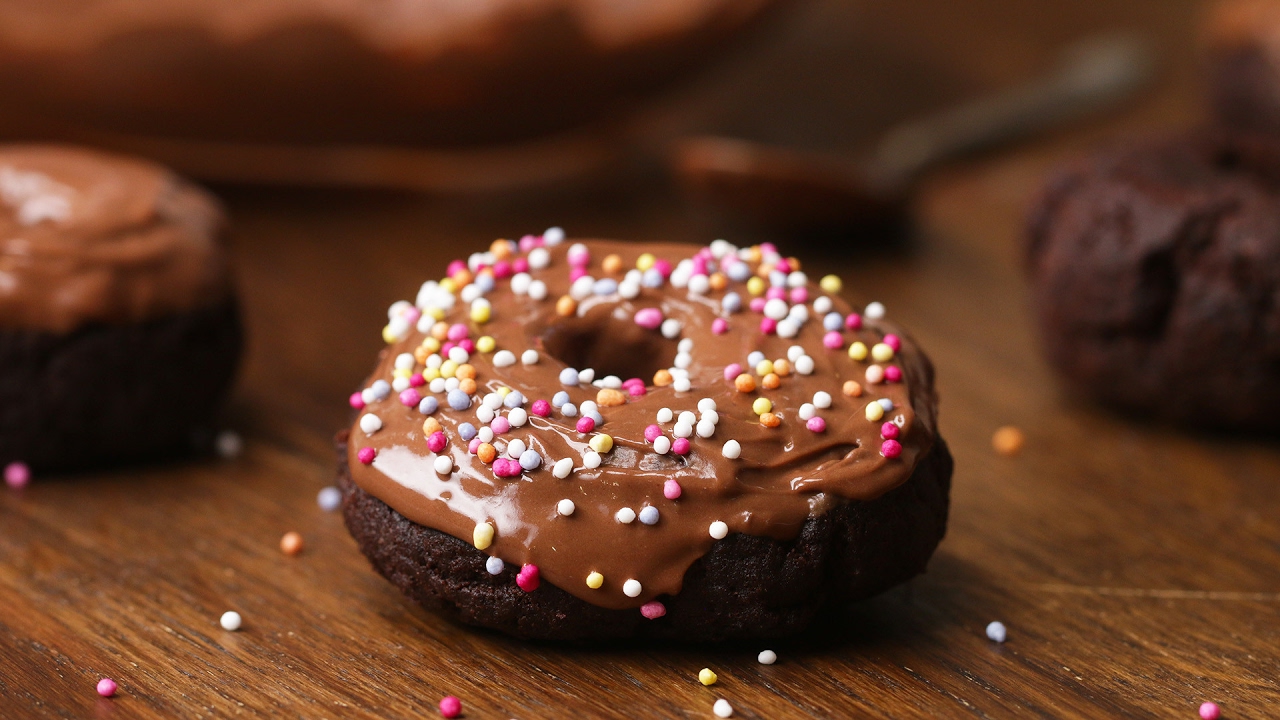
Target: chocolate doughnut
(599, 440)
(1155, 271)
(119, 334)
(1242, 58)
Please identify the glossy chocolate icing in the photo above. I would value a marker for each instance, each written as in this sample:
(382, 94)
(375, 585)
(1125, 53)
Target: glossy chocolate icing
(784, 474)
(91, 237)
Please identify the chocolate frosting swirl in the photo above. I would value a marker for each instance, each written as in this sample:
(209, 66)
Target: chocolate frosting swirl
(91, 237)
(783, 475)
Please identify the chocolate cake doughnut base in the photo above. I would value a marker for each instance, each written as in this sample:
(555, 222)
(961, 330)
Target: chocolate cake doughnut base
(107, 394)
(746, 587)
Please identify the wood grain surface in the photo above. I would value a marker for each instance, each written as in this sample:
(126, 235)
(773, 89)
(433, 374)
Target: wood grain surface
(1137, 568)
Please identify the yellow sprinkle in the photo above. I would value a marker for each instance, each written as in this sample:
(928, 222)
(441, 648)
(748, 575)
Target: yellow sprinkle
(882, 352)
(756, 286)
(706, 677)
(601, 443)
(480, 314)
(761, 406)
(430, 373)
(448, 368)
(486, 344)
(858, 351)
(387, 336)
(431, 344)
(764, 367)
(874, 411)
(645, 261)
(402, 373)
(449, 284)
(595, 580)
(830, 284)
(482, 536)
(435, 313)
(504, 391)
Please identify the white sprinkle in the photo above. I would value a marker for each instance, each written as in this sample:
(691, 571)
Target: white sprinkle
(767, 657)
(591, 459)
(722, 708)
(515, 448)
(518, 417)
(822, 400)
(822, 305)
(228, 444)
(553, 236)
(565, 507)
(631, 588)
(470, 293)
(997, 632)
(562, 468)
(687, 417)
(485, 414)
(230, 620)
(626, 516)
(437, 386)
(494, 565)
(705, 429)
(370, 423)
(795, 352)
(538, 290)
(662, 444)
(629, 290)
(444, 464)
(404, 361)
(699, 284)
(459, 355)
(685, 345)
(613, 382)
(504, 358)
(520, 283)
(681, 384)
(875, 311)
(807, 411)
(587, 375)
(400, 384)
(329, 498)
(539, 258)
(797, 279)
(787, 328)
(875, 374)
(582, 288)
(804, 365)
(732, 450)
(776, 309)
(706, 405)
(719, 530)
(682, 430)
(434, 360)
(683, 360)
(670, 328)
(665, 415)
(529, 357)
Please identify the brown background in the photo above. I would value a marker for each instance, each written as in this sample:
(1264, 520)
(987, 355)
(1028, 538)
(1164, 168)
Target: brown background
(1137, 568)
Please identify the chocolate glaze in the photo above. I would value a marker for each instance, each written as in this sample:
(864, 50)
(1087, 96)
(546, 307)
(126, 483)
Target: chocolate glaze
(784, 474)
(91, 237)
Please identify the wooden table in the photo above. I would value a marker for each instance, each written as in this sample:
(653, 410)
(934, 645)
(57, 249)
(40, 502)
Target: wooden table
(1137, 568)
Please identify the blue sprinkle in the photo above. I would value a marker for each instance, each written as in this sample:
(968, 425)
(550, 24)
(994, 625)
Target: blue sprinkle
(513, 399)
(329, 498)
(569, 376)
(652, 278)
(886, 403)
(606, 286)
(459, 400)
(833, 321)
(559, 399)
(467, 431)
(380, 388)
(755, 358)
(484, 281)
(649, 515)
(428, 405)
(569, 409)
(777, 278)
(595, 415)
(739, 272)
(731, 303)
(530, 459)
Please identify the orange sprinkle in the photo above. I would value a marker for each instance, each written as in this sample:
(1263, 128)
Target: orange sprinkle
(852, 388)
(782, 367)
(770, 381)
(744, 383)
(566, 306)
(421, 354)
(440, 331)
(291, 543)
(463, 277)
(486, 453)
(719, 281)
(612, 264)
(662, 378)
(467, 385)
(431, 425)
(795, 263)
(501, 249)
(753, 253)
(763, 270)
(464, 371)
(608, 397)
(1008, 440)
(770, 420)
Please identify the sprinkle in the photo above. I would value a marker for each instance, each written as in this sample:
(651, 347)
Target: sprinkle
(539, 258)
(528, 579)
(562, 468)
(230, 621)
(17, 475)
(761, 406)
(858, 351)
(504, 358)
(608, 397)
(106, 687)
(1210, 711)
(997, 632)
(722, 708)
(687, 417)
(874, 411)
(875, 311)
(804, 365)
(682, 385)
(366, 455)
(565, 507)
(586, 424)
(767, 657)
(831, 284)
(832, 340)
(732, 371)
(649, 318)
(450, 706)
(719, 326)
(680, 446)
(671, 328)
(569, 376)
(482, 536)
(852, 389)
(875, 374)
(770, 420)
(744, 383)
(436, 441)
(706, 405)
(648, 515)
(653, 610)
(591, 460)
(662, 445)
(530, 460)
(494, 565)
(821, 400)
(665, 415)
(566, 306)
(706, 676)
(500, 425)
(807, 411)
(889, 431)
(601, 443)
(518, 417)
(370, 423)
(891, 449)
(705, 428)
(626, 516)
(662, 378)
(671, 490)
(893, 374)
(356, 400)
(816, 424)
(881, 352)
(486, 453)
(541, 408)
(631, 588)
(683, 429)
(595, 580)
(768, 326)
(719, 530)
(329, 498)
(652, 432)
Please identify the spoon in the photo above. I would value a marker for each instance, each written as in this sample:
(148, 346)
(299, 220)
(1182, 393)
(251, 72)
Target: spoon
(795, 191)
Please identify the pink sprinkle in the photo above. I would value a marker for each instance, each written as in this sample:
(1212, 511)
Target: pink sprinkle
(653, 610)
(649, 318)
(416, 380)
(586, 424)
(502, 269)
(17, 475)
(467, 344)
(671, 489)
(446, 347)
(889, 431)
(499, 425)
(783, 265)
(893, 341)
(520, 265)
(450, 706)
(411, 315)
(699, 265)
(731, 371)
(541, 408)
(680, 446)
(891, 449)
(652, 432)
(663, 267)
(504, 467)
(893, 373)
(474, 445)
(775, 293)
(455, 267)
(757, 304)
(853, 321)
(833, 340)
(577, 272)
(356, 401)
(799, 295)
(719, 326)
(457, 331)
(436, 441)
(636, 390)
(410, 397)
(366, 455)
(633, 381)
(107, 687)
(1210, 711)
(528, 578)
(816, 424)
(768, 325)
(529, 242)
(579, 257)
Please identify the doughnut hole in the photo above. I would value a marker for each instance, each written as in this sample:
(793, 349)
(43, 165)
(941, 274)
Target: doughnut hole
(610, 344)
